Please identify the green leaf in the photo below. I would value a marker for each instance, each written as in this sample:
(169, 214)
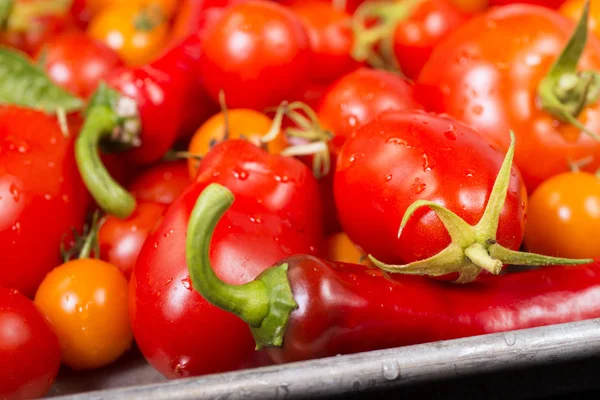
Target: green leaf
(23, 83)
(6, 7)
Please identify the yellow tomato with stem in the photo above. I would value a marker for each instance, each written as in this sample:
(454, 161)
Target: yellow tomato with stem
(167, 6)
(137, 33)
(339, 247)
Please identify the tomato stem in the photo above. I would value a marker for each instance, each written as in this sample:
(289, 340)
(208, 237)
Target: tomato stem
(373, 43)
(265, 303)
(113, 118)
(472, 248)
(565, 92)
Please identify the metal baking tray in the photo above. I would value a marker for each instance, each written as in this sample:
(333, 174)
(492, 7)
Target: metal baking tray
(527, 363)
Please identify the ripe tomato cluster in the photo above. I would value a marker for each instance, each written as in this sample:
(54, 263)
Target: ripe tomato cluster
(204, 177)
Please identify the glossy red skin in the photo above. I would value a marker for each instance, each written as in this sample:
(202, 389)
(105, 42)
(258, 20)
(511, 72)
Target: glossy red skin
(77, 62)
(496, 91)
(348, 308)
(41, 196)
(545, 3)
(121, 240)
(351, 5)
(330, 37)
(177, 330)
(282, 185)
(416, 36)
(29, 349)
(258, 53)
(401, 157)
(361, 95)
(169, 97)
(161, 183)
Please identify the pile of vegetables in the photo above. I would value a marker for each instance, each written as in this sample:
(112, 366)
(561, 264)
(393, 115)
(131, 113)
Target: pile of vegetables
(234, 183)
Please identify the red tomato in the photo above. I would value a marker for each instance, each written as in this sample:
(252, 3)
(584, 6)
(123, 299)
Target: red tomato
(360, 96)
(545, 3)
(415, 37)
(121, 240)
(330, 39)
(401, 157)
(29, 350)
(41, 196)
(258, 54)
(77, 62)
(497, 90)
(161, 183)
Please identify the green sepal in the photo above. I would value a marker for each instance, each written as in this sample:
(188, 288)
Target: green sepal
(25, 84)
(281, 304)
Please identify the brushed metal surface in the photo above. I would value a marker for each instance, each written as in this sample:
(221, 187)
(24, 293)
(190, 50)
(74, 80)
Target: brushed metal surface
(376, 370)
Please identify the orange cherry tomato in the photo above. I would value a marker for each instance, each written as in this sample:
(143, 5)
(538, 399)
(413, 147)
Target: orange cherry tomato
(138, 34)
(85, 301)
(167, 6)
(572, 9)
(339, 247)
(242, 123)
(563, 216)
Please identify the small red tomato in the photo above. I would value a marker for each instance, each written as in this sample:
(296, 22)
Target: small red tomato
(77, 62)
(330, 39)
(258, 53)
(162, 183)
(360, 96)
(415, 37)
(29, 350)
(545, 3)
(121, 240)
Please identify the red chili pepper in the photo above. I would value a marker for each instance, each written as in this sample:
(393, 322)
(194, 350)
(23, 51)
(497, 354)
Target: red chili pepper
(151, 106)
(175, 328)
(304, 307)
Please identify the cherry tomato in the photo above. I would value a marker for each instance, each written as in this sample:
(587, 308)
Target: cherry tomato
(194, 16)
(138, 34)
(416, 36)
(162, 183)
(339, 247)
(167, 6)
(497, 91)
(77, 62)
(241, 124)
(471, 5)
(564, 216)
(572, 9)
(85, 301)
(403, 156)
(121, 240)
(545, 3)
(42, 196)
(38, 32)
(330, 39)
(258, 53)
(29, 350)
(361, 95)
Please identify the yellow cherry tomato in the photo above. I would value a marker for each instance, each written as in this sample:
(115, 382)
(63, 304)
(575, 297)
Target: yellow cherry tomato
(85, 301)
(167, 6)
(563, 216)
(242, 123)
(572, 9)
(339, 247)
(138, 34)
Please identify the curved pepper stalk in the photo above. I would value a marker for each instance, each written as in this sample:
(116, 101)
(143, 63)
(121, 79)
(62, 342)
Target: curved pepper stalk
(564, 92)
(113, 117)
(265, 303)
(473, 248)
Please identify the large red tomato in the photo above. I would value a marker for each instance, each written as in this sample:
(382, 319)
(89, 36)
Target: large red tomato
(488, 74)
(258, 53)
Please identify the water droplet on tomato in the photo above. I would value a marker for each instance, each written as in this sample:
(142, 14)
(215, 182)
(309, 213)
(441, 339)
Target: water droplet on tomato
(388, 178)
(352, 121)
(14, 190)
(256, 219)
(469, 173)
(16, 228)
(187, 283)
(155, 245)
(450, 132)
(168, 281)
(397, 141)
(48, 196)
(180, 365)
(428, 163)
(168, 233)
(241, 175)
(418, 188)
(512, 172)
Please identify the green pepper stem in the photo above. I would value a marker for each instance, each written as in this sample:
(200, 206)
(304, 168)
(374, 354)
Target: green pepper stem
(110, 196)
(264, 303)
(250, 301)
